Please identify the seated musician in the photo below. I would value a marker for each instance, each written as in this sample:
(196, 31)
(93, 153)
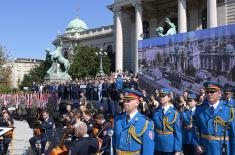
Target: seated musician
(45, 132)
(87, 116)
(83, 145)
(102, 134)
(6, 121)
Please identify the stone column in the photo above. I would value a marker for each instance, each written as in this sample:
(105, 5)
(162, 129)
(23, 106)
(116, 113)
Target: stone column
(138, 31)
(118, 39)
(211, 13)
(182, 18)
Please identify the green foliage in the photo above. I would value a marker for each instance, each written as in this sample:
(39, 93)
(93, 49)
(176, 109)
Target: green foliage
(85, 63)
(5, 70)
(37, 74)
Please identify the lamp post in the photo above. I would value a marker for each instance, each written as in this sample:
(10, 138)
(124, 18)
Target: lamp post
(101, 54)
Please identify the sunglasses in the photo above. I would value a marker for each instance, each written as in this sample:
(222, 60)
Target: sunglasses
(189, 100)
(210, 92)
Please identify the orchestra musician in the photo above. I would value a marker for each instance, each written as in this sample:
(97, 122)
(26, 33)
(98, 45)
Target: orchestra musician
(46, 125)
(84, 144)
(102, 135)
(87, 116)
(6, 121)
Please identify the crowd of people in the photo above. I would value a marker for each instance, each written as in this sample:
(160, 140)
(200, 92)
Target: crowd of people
(89, 113)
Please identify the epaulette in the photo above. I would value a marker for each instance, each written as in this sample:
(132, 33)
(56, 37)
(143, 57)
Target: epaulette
(147, 118)
(175, 109)
(229, 105)
(157, 109)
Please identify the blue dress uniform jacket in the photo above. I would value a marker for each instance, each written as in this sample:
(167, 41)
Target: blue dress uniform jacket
(209, 128)
(231, 102)
(167, 140)
(188, 117)
(125, 134)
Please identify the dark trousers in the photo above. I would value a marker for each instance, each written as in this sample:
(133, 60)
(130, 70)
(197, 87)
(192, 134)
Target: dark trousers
(42, 139)
(188, 149)
(163, 153)
(4, 145)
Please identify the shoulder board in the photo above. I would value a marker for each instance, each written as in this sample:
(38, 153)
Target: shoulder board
(229, 105)
(157, 109)
(186, 110)
(120, 115)
(147, 118)
(173, 108)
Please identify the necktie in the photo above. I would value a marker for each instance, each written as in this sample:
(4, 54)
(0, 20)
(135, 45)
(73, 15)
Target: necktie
(191, 112)
(212, 109)
(163, 112)
(127, 118)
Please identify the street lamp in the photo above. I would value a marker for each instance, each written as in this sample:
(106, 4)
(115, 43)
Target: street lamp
(101, 54)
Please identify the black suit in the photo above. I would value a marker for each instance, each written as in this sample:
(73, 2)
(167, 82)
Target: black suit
(84, 146)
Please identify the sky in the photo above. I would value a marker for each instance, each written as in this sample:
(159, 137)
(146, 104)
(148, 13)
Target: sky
(28, 27)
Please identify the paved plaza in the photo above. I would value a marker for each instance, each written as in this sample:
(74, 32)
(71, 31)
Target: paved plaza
(20, 143)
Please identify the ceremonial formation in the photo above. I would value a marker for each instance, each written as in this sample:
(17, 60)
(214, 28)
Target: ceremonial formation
(114, 115)
(159, 80)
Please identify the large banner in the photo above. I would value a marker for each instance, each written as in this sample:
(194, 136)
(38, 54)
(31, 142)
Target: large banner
(186, 60)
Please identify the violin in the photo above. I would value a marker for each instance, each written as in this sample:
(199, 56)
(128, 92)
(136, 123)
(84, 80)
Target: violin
(96, 132)
(9, 134)
(61, 149)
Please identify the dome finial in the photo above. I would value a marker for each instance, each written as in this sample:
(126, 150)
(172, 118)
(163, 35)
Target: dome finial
(77, 11)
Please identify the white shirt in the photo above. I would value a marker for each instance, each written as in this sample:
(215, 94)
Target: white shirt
(132, 115)
(215, 105)
(193, 109)
(166, 108)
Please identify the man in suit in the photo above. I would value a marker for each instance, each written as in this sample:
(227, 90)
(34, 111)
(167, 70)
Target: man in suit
(83, 145)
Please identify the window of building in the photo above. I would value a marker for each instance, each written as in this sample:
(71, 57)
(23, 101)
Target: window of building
(145, 29)
(204, 19)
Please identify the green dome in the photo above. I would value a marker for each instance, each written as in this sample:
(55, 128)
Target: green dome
(76, 25)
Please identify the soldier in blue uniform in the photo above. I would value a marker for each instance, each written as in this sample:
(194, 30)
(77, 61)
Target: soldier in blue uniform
(133, 132)
(168, 127)
(228, 95)
(214, 132)
(188, 117)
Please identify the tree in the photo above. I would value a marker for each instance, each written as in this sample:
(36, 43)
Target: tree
(85, 63)
(5, 69)
(37, 74)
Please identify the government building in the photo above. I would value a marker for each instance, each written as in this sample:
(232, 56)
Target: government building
(135, 20)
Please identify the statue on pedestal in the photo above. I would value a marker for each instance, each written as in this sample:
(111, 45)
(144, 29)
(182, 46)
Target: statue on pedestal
(60, 66)
(171, 31)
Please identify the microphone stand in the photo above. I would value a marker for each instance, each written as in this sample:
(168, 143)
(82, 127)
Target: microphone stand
(110, 133)
(224, 145)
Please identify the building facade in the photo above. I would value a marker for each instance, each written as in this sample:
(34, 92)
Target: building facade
(135, 20)
(20, 67)
(77, 34)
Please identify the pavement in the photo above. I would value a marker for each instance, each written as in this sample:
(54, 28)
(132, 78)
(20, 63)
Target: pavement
(20, 142)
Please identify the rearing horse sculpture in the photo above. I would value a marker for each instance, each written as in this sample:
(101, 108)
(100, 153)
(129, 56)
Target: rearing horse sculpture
(57, 57)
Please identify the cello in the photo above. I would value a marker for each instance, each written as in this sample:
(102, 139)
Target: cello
(61, 149)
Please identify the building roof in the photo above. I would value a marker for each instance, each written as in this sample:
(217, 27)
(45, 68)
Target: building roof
(76, 25)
